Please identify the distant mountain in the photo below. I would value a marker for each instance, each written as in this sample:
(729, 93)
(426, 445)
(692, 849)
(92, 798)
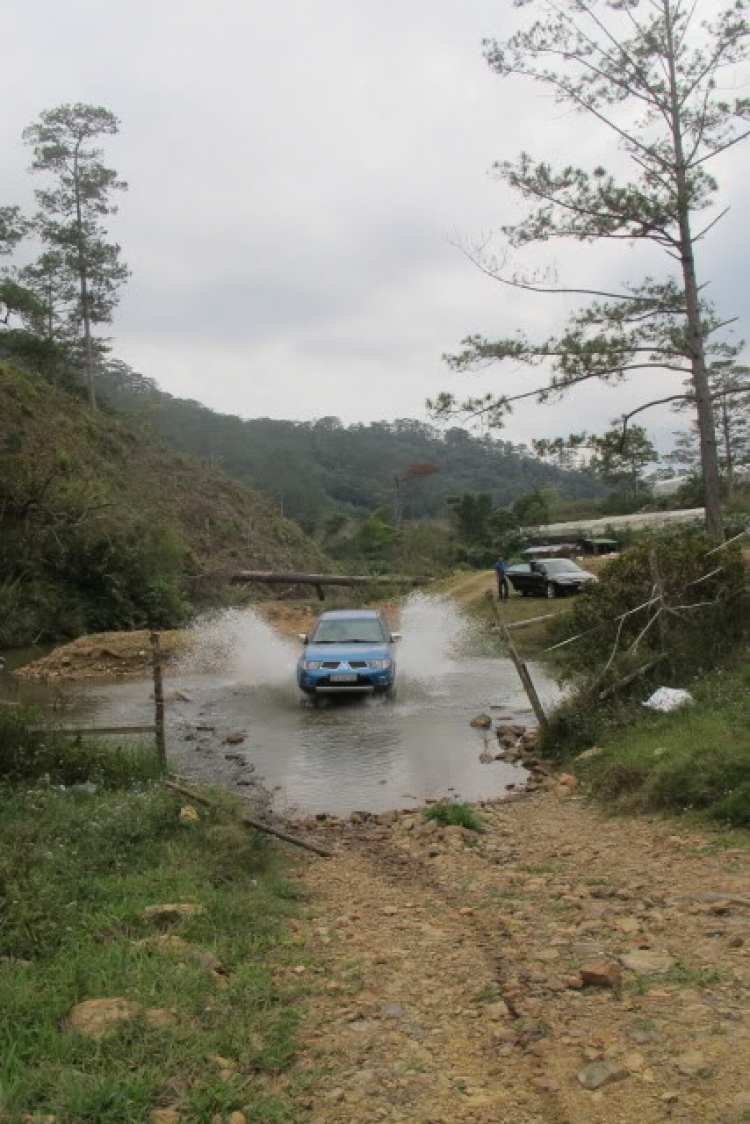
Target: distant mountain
(314, 468)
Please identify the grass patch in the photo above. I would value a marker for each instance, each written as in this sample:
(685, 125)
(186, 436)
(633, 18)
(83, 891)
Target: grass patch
(680, 976)
(696, 759)
(30, 752)
(76, 870)
(450, 814)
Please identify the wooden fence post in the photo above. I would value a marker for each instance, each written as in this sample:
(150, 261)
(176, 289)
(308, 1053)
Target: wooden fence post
(521, 668)
(161, 744)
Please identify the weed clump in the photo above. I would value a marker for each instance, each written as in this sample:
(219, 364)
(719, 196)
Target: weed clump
(452, 814)
(30, 752)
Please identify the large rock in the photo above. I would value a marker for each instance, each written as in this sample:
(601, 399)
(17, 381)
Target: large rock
(597, 1074)
(644, 960)
(96, 1018)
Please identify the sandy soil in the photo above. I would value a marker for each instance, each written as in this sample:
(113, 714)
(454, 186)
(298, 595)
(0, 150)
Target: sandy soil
(449, 984)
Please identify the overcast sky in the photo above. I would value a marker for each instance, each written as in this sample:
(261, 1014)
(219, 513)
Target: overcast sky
(298, 175)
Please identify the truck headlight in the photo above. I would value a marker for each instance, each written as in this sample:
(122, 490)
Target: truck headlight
(379, 664)
(310, 665)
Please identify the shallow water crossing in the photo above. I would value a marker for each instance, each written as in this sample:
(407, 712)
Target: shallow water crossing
(342, 755)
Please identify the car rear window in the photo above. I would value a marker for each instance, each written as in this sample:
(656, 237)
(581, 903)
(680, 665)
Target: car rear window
(561, 566)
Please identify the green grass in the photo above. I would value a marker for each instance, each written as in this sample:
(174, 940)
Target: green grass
(680, 976)
(75, 872)
(28, 752)
(450, 814)
(696, 759)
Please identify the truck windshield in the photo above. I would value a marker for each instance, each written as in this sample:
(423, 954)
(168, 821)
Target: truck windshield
(349, 630)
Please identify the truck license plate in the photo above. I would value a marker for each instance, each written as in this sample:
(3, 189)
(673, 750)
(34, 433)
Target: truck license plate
(343, 678)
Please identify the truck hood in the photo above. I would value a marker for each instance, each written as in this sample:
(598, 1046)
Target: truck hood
(342, 653)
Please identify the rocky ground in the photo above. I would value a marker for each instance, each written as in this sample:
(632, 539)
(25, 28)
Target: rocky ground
(560, 967)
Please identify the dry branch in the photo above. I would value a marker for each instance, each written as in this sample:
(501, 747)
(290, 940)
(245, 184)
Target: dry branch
(249, 821)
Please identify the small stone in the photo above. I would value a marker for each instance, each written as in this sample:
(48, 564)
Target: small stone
(237, 1118)
(634, 1062)
(645, 1037)
(481, 722)
(188, 815)
(235, 738)
(598, 1074)
(96, 1018)
(568, 780)
(165, 1116)
(393, 1010)
(172, 911)
(692, 1064)
(497, 1010)
(221, 1062)
(602, 973)
(643, 960)
(390, 910)
(161, 1018)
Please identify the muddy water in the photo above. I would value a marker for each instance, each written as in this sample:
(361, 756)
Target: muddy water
(339, 756)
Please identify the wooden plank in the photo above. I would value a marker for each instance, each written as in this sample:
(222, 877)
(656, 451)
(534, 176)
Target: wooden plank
(512, 625)
(92, 729)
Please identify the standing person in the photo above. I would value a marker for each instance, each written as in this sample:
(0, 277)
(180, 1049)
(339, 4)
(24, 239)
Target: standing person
(502, 579)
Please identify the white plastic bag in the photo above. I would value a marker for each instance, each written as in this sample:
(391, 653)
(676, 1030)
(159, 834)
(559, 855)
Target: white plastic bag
(668, 698)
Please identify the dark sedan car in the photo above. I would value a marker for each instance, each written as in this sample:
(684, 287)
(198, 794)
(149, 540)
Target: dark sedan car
(554, 577)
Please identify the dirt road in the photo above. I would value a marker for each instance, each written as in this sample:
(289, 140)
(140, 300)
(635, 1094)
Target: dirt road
(450, 987)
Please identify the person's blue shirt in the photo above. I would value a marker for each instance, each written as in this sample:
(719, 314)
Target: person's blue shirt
(500, 569)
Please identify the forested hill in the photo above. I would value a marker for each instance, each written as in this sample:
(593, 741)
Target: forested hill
(312, 468)
(102, 527)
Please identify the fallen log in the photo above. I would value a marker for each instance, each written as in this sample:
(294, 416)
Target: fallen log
(270, 577)
(250, 821)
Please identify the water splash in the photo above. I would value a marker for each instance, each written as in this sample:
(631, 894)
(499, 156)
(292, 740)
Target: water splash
(436, 634)
(239, 643)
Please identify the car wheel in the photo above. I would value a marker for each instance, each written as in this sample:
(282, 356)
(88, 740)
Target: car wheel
(551, 589)
(525, 592)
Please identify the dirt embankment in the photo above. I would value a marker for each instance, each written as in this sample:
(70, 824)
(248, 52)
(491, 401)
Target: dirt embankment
(451, 971)
(123, 655)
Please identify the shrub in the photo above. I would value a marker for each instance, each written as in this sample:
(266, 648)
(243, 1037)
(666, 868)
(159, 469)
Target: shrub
(694, 637)
(450, 814)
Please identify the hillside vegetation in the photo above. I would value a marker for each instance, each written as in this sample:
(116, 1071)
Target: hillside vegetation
(319, 467)
(104, 528)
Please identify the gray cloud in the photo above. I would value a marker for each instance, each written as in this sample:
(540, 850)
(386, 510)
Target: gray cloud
(297, 172)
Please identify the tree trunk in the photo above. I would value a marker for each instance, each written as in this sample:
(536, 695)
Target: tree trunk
(88, 345)
(704, 405)
(727, 435)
